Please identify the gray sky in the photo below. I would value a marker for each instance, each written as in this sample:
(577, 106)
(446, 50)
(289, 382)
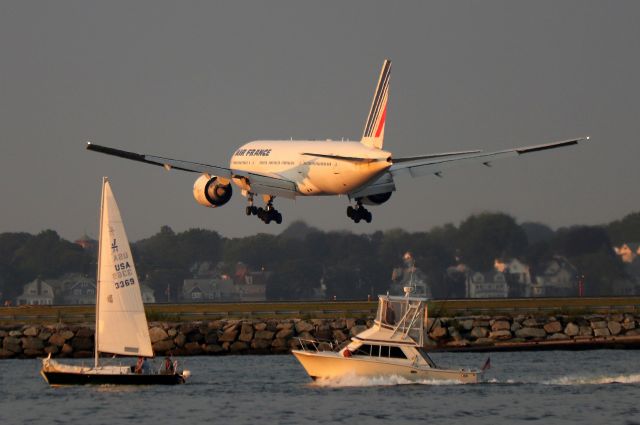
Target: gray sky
(194, 80)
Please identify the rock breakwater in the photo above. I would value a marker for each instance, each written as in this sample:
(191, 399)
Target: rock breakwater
(255, 336)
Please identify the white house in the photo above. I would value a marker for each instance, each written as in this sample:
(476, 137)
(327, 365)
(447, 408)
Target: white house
(559, 278)
(208, 290)
(36, 292)
(487, 285)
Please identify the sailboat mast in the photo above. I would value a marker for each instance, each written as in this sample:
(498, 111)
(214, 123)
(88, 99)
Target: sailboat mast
(100, 236)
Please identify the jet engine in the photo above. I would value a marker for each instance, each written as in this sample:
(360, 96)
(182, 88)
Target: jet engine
(212, 191)
(377, 199)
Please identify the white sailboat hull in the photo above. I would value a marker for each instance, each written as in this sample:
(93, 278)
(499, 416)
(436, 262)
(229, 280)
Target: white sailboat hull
(57, 374)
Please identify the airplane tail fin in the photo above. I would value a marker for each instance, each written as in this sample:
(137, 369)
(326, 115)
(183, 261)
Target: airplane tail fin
(373, 135)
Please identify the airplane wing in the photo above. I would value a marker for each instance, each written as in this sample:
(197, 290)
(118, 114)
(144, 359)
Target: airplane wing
(433, 156)
(394, 160)
(259, 183)
(418, 168)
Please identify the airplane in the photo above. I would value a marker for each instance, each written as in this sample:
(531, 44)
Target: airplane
(362, 170)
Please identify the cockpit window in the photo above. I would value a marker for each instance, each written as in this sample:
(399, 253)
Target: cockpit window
(396, 353)
(380, 351)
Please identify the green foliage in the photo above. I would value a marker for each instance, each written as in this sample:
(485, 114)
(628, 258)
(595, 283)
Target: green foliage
(46, 254)
(537, 232)
(484, 237)
(589, 249)
(349, 265)
(625, 230)
(581, 240)
(168, 250)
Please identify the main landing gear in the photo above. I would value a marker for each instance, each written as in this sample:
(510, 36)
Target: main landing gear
(359, 213)
(267, 214)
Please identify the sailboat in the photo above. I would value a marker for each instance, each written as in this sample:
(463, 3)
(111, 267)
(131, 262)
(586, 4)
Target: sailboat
(121, 324)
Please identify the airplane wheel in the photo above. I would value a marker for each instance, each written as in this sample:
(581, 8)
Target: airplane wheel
(248, 210)
(350, 211)
(368, 217)
(254, 210)
(278, 218)
(357, 218)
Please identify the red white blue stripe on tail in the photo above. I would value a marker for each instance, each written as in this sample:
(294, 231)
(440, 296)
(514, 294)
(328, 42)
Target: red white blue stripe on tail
(373, 135)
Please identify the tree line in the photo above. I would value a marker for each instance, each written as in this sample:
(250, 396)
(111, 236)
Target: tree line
(349, 265)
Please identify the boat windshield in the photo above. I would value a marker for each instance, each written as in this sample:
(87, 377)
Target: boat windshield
(406, 315)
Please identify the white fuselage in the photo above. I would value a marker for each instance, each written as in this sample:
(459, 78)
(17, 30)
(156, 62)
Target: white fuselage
(313, 175)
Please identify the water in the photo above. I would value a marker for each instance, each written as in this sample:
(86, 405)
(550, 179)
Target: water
(551, 387)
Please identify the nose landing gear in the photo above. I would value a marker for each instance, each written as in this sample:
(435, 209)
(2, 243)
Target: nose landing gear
(358, 213)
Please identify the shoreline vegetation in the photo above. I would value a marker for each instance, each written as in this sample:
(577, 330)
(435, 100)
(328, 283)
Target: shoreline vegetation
(303, 262)
(582, 324)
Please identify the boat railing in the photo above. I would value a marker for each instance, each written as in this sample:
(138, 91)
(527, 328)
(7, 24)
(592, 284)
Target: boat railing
(319, 345)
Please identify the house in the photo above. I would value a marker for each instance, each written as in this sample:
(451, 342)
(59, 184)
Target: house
(252, 292)
(210, 284)
(558, 278)
(81, 290)
(76, 288)
(36, 292)
(73, 289)
(251, 285)
(518, 276)
(491, 284)
(209, 290)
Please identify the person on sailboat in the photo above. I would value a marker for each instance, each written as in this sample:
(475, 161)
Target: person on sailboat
(146, 369)
(142, 366)
(169, 368)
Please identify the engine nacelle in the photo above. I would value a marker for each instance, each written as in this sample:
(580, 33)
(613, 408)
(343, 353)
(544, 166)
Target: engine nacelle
(210, 192)
(377, 199)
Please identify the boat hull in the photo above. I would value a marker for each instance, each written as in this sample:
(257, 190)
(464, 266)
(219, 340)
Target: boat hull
(64, 374)
(71, 378)
(328, 365)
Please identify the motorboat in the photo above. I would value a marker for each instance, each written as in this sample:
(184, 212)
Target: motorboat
(121, 323)
(393, 346)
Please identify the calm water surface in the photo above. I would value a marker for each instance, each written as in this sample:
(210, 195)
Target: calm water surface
(552, 387)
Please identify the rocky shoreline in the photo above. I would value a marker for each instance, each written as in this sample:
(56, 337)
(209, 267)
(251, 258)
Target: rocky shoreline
(279, 336)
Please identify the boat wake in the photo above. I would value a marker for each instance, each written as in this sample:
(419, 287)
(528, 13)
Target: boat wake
(575, 380)
(595, 380)
(382, 381)
(393, 380)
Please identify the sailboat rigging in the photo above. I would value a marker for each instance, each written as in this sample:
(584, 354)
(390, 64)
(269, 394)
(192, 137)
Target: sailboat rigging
(121, 323)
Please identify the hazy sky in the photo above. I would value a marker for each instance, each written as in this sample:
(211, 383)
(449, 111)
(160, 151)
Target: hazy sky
(194, 80)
